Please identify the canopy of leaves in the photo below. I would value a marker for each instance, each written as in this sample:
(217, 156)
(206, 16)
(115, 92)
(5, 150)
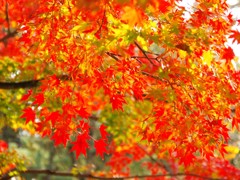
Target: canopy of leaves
(163, 84)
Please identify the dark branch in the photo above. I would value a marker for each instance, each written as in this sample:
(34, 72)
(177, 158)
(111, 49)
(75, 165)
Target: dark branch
(114, 56)
(61, 173)
(17, 85)
(26, 84)
(7, 17)
(9, 35)
(160, 162)
(144, 52)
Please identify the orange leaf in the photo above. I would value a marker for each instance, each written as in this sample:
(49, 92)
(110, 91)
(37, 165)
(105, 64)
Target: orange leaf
(235, 36)
(131, 16)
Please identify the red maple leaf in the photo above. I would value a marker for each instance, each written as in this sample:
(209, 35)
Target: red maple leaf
(84, 126)
(54, 80)
(26, 96)
(43, 128)
(137, 90)
(235, 36)
(117, 101)
(53, 117)
(83, 113)
(103, 131)
(100, 146)
(3, 146)
(228, 54)
(187, 159)
(60, 136)
(162, 5)
(80, 145)
(159, 112)
(98, 34)
(39, 99)
(236, 119)
(29, 114)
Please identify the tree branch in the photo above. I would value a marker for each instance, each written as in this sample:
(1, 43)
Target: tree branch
(26, 84)
(7, 17)
(160, 162)
(7, 36)
(144, 52)
(18, 85)
(62, 173)
(115, 56)
(9, 33)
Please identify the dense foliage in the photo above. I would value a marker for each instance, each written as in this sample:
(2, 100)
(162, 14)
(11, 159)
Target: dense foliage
(159, 79)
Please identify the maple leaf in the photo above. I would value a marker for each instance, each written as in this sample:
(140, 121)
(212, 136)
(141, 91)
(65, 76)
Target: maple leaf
(159, 112)
(103, 131)
(3, 146)
(223, 150)
(98, 34)
(100, 146)
(162, 5)
(131, 16)
(117, 101)
(83, 113)
(236, 119)
(54, 80)
(235, 36)
(228, 54)
(81, 145)
(207, 57)
(29, 114)
(39, 99)
(187, 159)
(26, 96)
(137, 90)
(54, 117)
(84, 126)
(44, 128)
(60, 136)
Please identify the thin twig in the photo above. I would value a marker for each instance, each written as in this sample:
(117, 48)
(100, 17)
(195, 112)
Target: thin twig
(112, 55)
(144, 52)
(7, 36)
(160, 163)
(7, 17)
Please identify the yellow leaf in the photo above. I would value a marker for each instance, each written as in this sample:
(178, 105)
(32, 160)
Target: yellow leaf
(142, 42)
(207, 57)
(182, 54)
(232, 152)
(65, 10)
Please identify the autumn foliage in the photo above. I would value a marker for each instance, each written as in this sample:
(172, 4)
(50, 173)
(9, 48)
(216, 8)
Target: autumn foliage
(160, 75)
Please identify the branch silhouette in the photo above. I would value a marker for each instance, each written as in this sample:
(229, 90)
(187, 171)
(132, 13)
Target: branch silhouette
(63, 173)
(27, 84)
